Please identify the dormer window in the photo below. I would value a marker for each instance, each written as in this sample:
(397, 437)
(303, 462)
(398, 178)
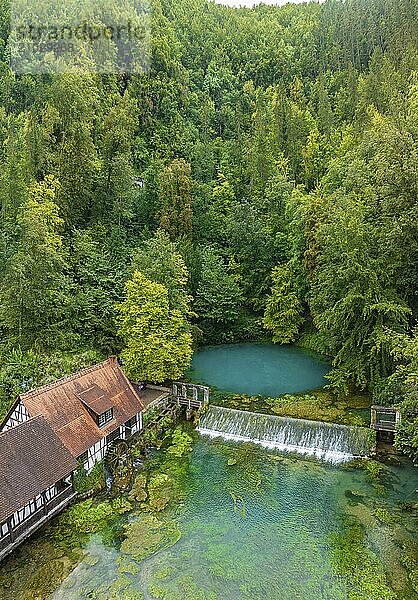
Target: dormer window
(105, 418)
(98, 404)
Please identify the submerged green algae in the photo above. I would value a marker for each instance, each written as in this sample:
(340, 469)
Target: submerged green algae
(358, 565)
(318, 405)
(147, 535)
(241, 522)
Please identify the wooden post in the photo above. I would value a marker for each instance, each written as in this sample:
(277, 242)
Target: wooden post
(10, 528)
(373, 416)
(45, 501)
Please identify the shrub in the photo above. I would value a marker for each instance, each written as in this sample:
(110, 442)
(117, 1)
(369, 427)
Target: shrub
(181, 443)
(93, 481)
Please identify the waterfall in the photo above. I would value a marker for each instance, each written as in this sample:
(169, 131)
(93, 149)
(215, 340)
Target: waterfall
(326, 441)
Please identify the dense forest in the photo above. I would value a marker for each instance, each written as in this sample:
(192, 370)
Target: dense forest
(261, 179)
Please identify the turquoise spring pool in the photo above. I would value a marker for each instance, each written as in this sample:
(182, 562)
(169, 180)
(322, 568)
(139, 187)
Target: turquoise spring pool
(258, 369)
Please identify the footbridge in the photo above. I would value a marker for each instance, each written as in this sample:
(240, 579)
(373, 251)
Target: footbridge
(384, 418)
(190, 395)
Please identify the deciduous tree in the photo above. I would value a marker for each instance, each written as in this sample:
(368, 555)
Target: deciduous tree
(34, 293)
(157, 343)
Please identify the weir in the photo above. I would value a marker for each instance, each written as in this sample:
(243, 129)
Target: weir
(326, 441)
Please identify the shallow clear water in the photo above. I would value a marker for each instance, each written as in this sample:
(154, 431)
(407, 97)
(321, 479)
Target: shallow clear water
(263, 369)
(257, 529)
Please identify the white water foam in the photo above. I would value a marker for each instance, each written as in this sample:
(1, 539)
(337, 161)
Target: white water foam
(326, 441)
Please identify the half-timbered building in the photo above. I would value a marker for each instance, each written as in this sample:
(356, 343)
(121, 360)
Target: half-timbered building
(88, 410)
(35, 480)
(49, 431)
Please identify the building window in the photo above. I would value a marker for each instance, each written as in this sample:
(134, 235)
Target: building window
(84, 457)
(105, 417)
(131, 423)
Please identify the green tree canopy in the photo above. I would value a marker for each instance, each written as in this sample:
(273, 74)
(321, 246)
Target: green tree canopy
(354, 302)
(157, 343)
(283, 314)
(34, 293)
(160, 261)
(218, 297)
(176, 200)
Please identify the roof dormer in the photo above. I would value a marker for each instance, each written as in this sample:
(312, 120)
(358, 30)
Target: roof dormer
(98, 404)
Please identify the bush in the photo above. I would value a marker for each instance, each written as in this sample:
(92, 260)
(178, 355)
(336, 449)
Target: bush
(94, 481)
(406, 438)
(181, 443)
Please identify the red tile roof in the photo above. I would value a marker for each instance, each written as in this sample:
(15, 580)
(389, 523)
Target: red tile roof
(95, 399)
(102, 386)
(32, 458)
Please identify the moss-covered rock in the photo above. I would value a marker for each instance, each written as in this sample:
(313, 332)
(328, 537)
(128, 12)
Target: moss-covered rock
(318, 405)
(147, 535)
(181, 443)
(138, 492)
(160, 491)
(88, 516)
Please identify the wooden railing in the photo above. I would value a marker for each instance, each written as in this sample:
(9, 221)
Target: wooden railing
(384, 418)
(190, 395)
(38, 518)
(56, 500)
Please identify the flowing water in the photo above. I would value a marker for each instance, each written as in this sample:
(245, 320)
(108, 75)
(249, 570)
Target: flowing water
(326, 441)
(263, 369)
(255, 525)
